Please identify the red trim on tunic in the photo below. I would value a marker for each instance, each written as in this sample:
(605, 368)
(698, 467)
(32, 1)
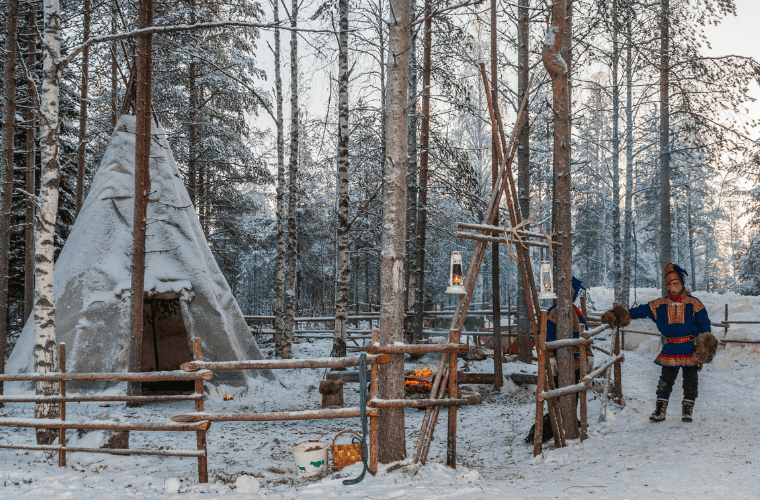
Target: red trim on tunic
(678, 340)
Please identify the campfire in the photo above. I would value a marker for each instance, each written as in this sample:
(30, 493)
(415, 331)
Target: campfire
(418, 381)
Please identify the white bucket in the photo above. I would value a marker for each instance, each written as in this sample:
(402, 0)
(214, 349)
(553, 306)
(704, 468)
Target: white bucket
(310, 463)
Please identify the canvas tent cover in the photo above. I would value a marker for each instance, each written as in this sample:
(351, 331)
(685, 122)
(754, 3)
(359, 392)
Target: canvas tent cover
(92, 273)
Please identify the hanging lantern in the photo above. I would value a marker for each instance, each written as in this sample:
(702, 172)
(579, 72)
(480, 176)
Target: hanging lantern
(456, 276)
(547, 281)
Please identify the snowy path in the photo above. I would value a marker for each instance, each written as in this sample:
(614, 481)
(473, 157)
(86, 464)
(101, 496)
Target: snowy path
(716, 456)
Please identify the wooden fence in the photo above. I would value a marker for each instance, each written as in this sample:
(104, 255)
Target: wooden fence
(200, 427)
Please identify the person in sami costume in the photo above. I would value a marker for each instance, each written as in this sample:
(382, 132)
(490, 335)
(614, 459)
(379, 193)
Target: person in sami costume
(679, 318)
(551, 332)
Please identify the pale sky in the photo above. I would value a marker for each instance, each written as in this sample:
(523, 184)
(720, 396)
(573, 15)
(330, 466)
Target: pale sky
(738, 35)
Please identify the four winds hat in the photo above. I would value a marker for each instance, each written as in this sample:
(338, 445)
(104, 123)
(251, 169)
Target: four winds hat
(674, 273)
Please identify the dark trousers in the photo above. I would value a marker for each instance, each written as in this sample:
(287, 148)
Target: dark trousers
(668, 378)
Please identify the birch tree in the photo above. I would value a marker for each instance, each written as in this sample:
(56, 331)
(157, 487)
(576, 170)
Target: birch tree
(279, 301)
(45, 353)
(392, 437)
(343, 201)
(290, 287)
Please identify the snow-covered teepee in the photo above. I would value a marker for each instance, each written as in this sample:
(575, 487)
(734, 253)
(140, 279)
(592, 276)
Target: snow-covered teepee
(187, 296)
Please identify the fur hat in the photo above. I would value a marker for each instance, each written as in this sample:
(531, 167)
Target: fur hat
(617, 316)
(705, 345)
(672, 273)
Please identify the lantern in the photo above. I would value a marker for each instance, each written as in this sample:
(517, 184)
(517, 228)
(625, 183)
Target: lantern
(547, 281)
(456, 276)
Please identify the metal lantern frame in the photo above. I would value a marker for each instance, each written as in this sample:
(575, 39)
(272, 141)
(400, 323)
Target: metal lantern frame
(547, 281)
(456, 274)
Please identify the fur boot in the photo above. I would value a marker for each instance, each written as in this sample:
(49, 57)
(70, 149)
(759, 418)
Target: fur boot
(705, 345)
(617, 316)
(658, 415)
(687, 411)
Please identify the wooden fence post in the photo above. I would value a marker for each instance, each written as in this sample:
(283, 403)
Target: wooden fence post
(198, 356)
(373, 422)
(62, 405)
(200, 435)
(538, 434)
(582, 394)
(451, 445)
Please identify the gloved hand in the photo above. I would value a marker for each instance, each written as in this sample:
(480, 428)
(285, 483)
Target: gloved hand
(553, 366)
(617, 316)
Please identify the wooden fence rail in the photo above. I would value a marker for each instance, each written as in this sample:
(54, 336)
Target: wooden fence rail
(199, 427)
(542, 394)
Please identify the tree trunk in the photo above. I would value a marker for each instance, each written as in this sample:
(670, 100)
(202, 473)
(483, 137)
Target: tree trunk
(279, 301)
(82, 151)
(344, 249)
(498, 378)
(192, 161)
(665, 228)
(290, 290)
(556, 45)
(392, 444)
(626, 285)
(142, 185)
(419, 302)
(31, 173)
(616, 243)
(6, 169)
(523, 172)
(690, 232)
(411, 192)
(45, 352)
(114, 69)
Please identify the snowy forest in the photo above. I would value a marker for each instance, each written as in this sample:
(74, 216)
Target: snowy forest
(280, 137)
(331, 152)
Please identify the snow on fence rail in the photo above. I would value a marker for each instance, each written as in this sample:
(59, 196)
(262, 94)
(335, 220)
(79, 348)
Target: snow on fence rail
(199, 426)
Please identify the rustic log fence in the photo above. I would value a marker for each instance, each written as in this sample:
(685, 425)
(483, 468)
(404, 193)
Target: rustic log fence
(373, 360)
(542, 394)
(200, 427)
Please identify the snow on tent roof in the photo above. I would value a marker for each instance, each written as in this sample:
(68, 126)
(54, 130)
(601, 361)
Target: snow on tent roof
(93, 279)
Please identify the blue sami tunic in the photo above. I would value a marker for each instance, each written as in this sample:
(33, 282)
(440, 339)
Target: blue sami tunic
(551, 327)
(679, 323)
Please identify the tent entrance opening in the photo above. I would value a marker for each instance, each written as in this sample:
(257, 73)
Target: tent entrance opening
(165, 344)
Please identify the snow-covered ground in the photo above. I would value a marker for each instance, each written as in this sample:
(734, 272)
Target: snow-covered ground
(716, 456)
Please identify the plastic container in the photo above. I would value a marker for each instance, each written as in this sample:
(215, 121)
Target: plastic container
(310, 463)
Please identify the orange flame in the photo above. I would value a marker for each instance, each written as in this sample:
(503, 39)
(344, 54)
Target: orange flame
(419, 385)
(228, 397)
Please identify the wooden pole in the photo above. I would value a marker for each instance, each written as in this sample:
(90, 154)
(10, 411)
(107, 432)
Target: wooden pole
(538, 434)
(373, 422)
(62, 405)
(282, 364)
(198, 356)
(200, 435)
(582, 394)
(202, 460)
(451, 441)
